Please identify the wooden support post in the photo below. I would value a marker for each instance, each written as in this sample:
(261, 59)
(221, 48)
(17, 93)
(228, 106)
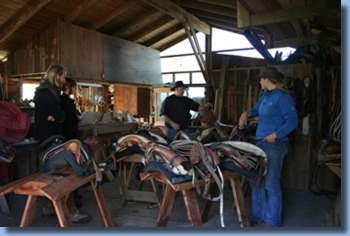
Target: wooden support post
(198, 53)
(29, 211)
(239, 200)
(245, 90)
(102, 205)
(249, 97)
(223, 75)
(192, 208)
(167, 205)
(62, 212)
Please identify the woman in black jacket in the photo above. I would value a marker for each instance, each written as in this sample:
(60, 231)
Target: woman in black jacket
(48, 114)
(49, 118)
(73, 116)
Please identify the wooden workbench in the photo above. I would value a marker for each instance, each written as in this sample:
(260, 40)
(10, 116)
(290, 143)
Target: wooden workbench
(108, 128)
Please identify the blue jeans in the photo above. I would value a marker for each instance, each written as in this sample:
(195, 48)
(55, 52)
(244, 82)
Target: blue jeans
(267, 198)
(64, 159)
(171, 133)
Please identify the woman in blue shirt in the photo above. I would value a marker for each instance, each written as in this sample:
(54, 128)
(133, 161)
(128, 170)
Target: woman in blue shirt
(277, 117)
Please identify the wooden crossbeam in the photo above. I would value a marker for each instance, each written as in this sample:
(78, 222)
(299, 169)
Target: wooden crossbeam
(245, 19)
(79, 10)
(120, 9)
(179, 13)
(21, 18)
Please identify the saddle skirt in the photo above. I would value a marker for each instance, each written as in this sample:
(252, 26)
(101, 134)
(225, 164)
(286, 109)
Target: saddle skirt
(90, 152)
(74, 146)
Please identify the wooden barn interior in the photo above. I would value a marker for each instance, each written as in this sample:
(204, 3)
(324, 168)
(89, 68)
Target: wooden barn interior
(112, 48)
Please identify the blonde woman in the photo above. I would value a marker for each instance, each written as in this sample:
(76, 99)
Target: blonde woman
(48, 124)
(48, 114)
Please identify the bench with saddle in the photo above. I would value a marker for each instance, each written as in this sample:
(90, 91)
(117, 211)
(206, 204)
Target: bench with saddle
(85, 157)
(193, 168)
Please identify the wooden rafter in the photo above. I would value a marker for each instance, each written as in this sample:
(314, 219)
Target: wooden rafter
(224, 3)
(208, 15)
(22, 18)
(179, 14)
(286, 4)
(152, 27)
(224, 11)
(273, 17)
(296, 42)
(79, 10)
(135, 22)
(117, 11)
(162, 35)
(172, 42)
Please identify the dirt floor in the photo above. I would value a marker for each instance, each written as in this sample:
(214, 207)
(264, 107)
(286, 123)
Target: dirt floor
(301, 208)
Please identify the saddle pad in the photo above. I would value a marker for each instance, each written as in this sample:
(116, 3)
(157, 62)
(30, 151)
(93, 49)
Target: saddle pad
(155, 166)
(228, 164)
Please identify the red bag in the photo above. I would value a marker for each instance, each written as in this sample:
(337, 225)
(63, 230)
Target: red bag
(14, 123)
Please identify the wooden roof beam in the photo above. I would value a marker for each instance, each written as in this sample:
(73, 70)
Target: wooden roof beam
(22, 17)
(160, 36)
(295, 23)
(125, 5)
(296, 42)
(136, 21)
(225, 11)
(208, 15)
(246, 19)
(152, 27)
(179, 14)
(173, 42)
(79, 10)
(224, 3)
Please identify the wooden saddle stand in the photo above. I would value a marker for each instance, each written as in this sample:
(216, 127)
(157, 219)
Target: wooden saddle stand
(196, 217)
(56, 186)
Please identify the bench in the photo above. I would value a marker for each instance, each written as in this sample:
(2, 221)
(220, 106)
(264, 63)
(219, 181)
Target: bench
(195, 216)
(55, 185)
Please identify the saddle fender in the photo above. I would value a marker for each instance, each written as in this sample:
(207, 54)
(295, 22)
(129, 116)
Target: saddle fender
(213, 155)
(247, 147)
(172, 158)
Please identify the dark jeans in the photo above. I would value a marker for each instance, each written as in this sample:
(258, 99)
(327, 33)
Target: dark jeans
(267, 198)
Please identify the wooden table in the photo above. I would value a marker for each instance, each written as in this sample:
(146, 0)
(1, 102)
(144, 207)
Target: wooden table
(55, 185)
(195, 216)
(99, 129)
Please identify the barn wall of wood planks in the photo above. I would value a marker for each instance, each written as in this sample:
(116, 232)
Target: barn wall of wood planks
(87, 55)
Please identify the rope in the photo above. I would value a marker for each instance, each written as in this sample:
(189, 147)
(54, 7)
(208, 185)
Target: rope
(335, 129)
(185, 148)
